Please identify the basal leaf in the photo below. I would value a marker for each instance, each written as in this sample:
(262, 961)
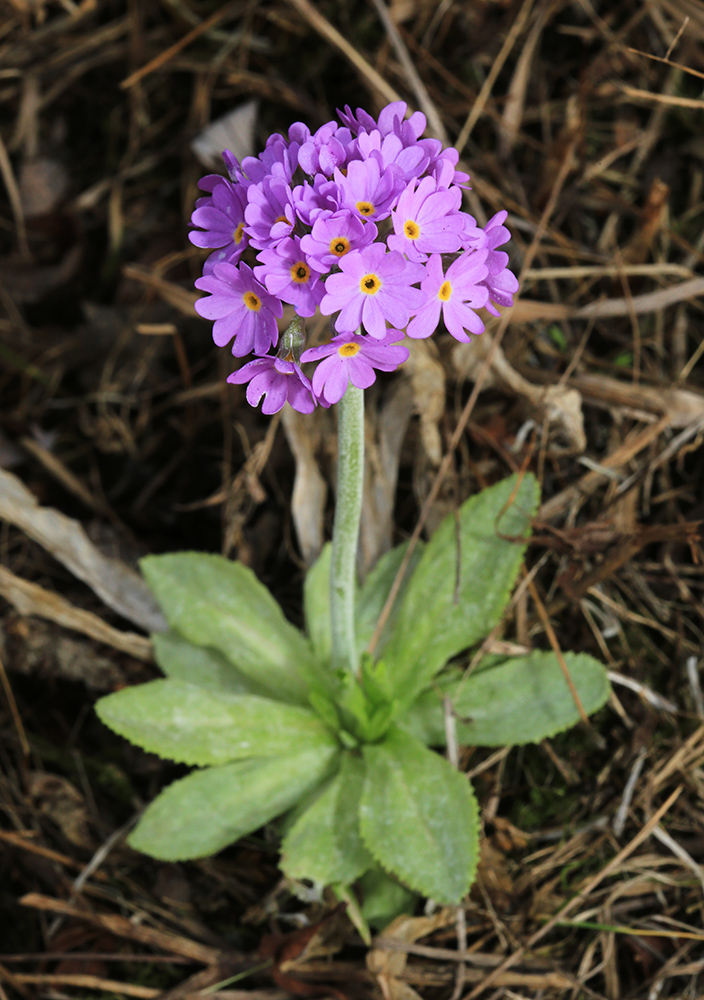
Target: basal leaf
(316, 604)
(374, 591)
(522, 700)
(461, 584)
(214, 602)
(384, 898)
(192, 725)
(204, 812)
(324, 843)
(418, 817)
(200, 665)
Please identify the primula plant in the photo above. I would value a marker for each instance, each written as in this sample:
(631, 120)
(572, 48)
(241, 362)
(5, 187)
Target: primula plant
(335, 732)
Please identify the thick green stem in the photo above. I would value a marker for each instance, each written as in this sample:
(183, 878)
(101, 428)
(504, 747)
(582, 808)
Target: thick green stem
(345, 536)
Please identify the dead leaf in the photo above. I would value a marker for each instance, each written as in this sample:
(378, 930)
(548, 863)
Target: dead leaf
(388, 964)
(385, 429)
(57, 798)
(234, 131)
(114, 582)
(304, 433)
(43, 184)
(31, 599)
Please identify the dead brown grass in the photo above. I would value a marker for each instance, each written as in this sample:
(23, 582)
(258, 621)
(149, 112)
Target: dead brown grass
(584, 120)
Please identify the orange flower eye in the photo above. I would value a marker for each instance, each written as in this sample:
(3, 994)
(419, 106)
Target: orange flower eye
(339, 246)
(370, 284)
(348, 350)
(300, 272)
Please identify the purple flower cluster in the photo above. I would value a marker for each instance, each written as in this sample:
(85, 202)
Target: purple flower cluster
(361, 221)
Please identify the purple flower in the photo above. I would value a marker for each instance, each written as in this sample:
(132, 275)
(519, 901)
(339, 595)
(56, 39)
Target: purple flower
(287, 273)
(389, 150)
(241, 307)
(325, 150)
(310, 201)
(351, 358)
(392, 118)
(279, 160)
(269, 214)
(501, 282)
(367, 190)
(279, 381)
(333, 236)
(374, 286)
(455, 294)
(222, 218)
(443, 167)
(427, 221)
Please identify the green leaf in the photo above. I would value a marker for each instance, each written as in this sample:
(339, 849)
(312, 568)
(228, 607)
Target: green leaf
(204, 812)
(182, 661)
(324, 844)
(192, 725)
(448, 606)
(384, 898)
(316, 604)
(212, 601)
(374, 591)
(522, 700)
(419, 817)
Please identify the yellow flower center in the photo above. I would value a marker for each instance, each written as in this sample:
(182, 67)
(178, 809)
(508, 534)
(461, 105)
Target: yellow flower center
(238, 233)
(281, 218)
(300, 272)
(365, 208)
(445, 291)
(411, 229)
(339, 246)
(348, 350)
(252, 301)
(370, 284)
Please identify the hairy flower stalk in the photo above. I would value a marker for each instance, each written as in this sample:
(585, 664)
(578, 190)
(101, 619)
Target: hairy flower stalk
(345, 534)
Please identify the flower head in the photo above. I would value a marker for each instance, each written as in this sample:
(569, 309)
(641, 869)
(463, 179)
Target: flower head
(241, 307)
(374, 286)
(324, 244)
(352, 358)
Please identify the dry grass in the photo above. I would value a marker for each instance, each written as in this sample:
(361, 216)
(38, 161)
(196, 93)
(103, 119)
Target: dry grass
(584, 120)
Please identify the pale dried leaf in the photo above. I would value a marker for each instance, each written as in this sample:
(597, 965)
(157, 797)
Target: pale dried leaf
(234, 131)
(120, 587)
(387, 963)
(31, 599)
(43, 183)
(304, 433)
(384, 434)
(425, 371)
